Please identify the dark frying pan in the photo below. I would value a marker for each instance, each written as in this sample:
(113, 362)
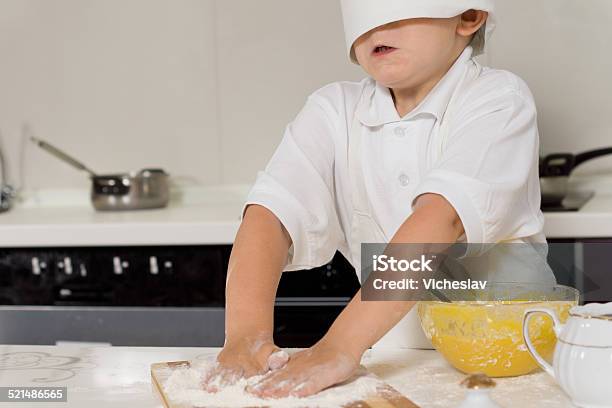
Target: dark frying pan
(555, 170)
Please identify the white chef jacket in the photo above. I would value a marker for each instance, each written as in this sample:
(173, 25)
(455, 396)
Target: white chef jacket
(486, 170)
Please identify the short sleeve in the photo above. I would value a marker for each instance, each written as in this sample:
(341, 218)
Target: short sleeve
(488, 169)
(297, 186)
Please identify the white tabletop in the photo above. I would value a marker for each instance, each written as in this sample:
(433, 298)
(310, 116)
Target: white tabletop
(119, 376)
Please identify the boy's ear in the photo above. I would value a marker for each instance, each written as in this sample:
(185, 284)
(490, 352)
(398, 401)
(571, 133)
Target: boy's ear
(471, 21)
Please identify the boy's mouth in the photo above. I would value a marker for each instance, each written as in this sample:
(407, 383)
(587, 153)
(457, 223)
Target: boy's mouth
(381, 50)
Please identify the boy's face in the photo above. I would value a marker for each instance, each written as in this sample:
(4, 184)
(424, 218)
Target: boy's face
(420, 49)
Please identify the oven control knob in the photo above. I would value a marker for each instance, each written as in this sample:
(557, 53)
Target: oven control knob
(153, 265)
(117, 265)
(36, 266)
(66, 265)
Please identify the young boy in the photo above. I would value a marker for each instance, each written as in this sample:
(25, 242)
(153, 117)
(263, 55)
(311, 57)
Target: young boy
(430, 148)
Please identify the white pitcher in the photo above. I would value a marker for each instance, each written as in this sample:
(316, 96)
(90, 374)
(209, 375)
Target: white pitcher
(582, 363)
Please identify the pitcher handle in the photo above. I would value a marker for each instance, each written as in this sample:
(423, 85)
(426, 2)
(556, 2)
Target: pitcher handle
(557, 328)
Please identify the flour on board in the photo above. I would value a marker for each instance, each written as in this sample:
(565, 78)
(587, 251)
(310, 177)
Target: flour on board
(184, 386)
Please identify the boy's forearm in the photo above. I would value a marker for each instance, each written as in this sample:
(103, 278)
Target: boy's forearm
(433, 221)
(361, 324)
(256, 263)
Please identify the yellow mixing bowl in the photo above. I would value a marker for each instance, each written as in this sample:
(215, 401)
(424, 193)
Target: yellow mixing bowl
(485, 335)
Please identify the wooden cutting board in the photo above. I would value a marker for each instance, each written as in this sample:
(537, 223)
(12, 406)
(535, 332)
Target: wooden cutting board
(386, 397)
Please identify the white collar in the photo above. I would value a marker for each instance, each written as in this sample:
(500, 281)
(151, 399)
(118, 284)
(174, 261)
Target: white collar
(376, 107)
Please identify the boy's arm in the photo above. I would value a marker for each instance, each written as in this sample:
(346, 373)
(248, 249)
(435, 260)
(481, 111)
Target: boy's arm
(258, 257)
(434, 221)
(361, 324)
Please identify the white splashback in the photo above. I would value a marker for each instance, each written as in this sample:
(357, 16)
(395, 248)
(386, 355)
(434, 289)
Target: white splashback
(272, 55)
(205, 88)
(121, 84)
(562, 49)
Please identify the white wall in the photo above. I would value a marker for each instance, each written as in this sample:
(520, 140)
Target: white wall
(121, 84)
(272, 55)
(205, 88)
(562, 49)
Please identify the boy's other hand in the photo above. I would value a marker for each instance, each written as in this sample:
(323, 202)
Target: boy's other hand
(244, 358)
(308, 372)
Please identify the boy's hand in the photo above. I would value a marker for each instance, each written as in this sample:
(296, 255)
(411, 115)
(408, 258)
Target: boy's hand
(308, 372)
(247, 357)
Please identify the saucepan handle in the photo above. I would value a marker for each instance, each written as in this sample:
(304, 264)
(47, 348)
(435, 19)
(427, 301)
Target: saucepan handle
(534, 353)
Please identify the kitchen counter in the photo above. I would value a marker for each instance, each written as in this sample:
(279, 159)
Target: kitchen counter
(195, 216)
(211, 215)
(119, 376)
(594, 220)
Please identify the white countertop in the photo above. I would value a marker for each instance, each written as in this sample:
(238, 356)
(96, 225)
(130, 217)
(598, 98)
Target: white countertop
(594, 220)
(198, 216)
(119, 376)
(211, 215)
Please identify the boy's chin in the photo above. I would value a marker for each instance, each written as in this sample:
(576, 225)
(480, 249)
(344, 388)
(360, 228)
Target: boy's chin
(392, 76)
(393, 81)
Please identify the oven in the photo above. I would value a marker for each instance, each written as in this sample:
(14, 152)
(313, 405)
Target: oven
(151, 296)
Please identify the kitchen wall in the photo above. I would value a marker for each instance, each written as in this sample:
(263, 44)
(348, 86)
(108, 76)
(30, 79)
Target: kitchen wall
(205, 88)
(272, 55)
(121, 84)
(562, 49)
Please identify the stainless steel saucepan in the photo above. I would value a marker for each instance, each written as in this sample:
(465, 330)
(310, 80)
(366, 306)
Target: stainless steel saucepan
(146, 189)
(555, 170)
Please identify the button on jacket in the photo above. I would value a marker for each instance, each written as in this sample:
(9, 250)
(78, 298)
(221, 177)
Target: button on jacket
(486, 167)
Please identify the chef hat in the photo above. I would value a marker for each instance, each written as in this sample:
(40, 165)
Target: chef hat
(361, 16)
